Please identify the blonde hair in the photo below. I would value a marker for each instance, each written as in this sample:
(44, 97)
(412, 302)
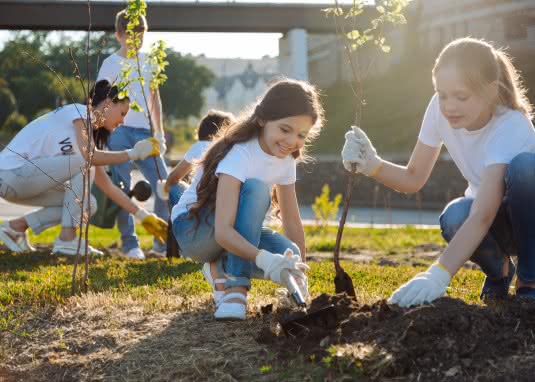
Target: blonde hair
(121, 22)
(481, 64)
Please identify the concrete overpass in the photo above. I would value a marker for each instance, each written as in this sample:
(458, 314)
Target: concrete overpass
(295, 21)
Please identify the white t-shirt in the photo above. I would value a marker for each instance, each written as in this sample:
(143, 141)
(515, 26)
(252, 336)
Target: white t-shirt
(49, 135)
(244, 161)
(197, 150)
(110, 70)
(507, 134)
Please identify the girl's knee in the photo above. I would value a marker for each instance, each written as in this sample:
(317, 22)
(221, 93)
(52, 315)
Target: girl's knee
(256, 188)
(454, 216)
(521, 172)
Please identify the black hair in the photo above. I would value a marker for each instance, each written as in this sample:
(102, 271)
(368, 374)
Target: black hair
(212, 122)
(101, 91)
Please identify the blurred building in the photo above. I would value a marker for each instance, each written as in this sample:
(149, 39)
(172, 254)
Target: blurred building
(238, 83)
(432, 24)
(509, 23)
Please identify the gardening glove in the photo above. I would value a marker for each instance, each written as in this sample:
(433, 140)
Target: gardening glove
(153, 224)
(161, 191)
(424, 287)
(299, 277)
(160, 137)
(273, 263)
(359, 150)
(146, 148)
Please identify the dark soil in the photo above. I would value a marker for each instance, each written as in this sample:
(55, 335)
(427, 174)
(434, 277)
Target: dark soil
(446, 341)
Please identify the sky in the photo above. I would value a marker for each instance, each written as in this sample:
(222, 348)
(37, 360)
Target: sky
(219, 45)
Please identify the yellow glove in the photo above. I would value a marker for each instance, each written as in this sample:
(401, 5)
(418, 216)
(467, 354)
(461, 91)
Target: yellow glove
(153, 224)
(149, 147)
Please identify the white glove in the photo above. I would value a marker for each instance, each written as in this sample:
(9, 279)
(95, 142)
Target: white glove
(160, 137)
(273, 263)
(143, 149)
(359, 150)
(141, 214)
(160, 190)
(299, 277)
(424, 287)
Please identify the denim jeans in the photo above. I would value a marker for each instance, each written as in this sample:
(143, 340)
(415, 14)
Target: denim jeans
(53, 183)
(200, 245)
(513, 230)
(124, 138)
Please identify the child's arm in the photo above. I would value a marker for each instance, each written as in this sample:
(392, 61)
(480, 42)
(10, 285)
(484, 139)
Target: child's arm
(155, 103)
(227, 199)
(359, 151)
(153, 224)
(432, 284)
(291, 219)
(177, 174)
(484, 209)
(103, 181)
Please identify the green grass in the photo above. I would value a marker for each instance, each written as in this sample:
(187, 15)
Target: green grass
(387, 240)
(37, 279)
(34, 285)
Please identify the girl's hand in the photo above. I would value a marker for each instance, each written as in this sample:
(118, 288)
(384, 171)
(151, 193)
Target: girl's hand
(161, 190)
(299, 277)
(153, 224)
(160, 137)
(273, 263)
(146, 148)
(359, 150)
(424, 287)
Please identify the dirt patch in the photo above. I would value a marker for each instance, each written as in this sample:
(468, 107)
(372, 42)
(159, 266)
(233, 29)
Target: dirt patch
(448, 340)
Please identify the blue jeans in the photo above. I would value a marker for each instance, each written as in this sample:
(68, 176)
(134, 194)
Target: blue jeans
(124, 138)
(512, 232)
(200, 245)
(175, 193)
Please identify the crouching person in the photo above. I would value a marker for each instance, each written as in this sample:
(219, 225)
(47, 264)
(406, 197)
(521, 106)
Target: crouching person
(219, 221)
(43, 166)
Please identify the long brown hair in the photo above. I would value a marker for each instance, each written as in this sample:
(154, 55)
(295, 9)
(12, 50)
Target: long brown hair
(481, 64)
(285, 98)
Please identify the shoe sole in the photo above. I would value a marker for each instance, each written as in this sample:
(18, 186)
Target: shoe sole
(10, 243)
(70, 253)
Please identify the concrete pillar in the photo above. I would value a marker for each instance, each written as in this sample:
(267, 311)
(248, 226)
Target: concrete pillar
(293, 54)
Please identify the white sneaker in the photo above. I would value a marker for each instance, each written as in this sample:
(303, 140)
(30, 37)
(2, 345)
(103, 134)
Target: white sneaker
(69, 248)
(135, 253)
(232, 311)
(14, 240)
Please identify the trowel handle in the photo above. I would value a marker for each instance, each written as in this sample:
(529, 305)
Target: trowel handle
(288, 279)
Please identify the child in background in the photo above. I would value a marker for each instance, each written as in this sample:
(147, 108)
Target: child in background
(136, 127)
(219, 220)
(42, 166)
(208, 128)
(480, 112)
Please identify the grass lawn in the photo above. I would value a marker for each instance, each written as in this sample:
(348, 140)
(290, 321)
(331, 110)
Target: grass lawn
(151, 320)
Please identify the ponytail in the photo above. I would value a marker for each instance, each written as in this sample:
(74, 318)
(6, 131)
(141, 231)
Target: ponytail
(511, 91)
(101, 91)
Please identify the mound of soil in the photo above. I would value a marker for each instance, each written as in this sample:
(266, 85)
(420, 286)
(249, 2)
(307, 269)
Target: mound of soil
(448, 340)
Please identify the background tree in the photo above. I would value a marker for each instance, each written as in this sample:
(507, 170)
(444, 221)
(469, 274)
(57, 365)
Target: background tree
(182, 93)
(8, 104)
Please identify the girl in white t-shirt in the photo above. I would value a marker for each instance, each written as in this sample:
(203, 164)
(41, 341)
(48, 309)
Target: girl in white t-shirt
(481, 114)
(173, 187)
(42, 166)
(219, 219)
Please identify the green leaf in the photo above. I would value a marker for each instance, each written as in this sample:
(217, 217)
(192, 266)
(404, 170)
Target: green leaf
(135, 106)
